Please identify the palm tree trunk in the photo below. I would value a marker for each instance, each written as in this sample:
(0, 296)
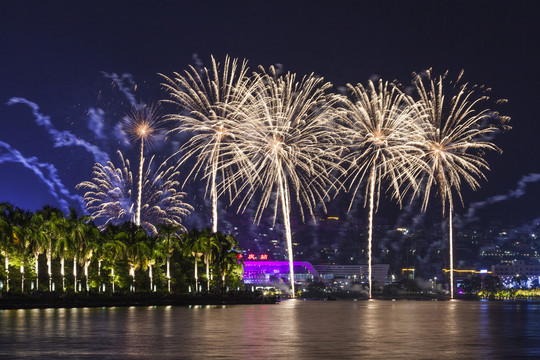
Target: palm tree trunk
(7, 270)
(168, 273)
(196, 276)
(370, 233)
(132, 273)
(151, 277)
(22, 278)
(63, 273)
(112, 275)
(75, 272)
(37, 272)
(207, 260)
(86, 264)
(99, 274)
(49, 265)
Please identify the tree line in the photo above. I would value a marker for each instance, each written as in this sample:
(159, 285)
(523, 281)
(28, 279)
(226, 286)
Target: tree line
(46, 250)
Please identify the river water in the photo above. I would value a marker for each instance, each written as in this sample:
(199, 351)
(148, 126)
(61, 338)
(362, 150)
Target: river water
(293, 329)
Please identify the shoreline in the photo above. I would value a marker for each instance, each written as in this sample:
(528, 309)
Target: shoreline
(55, 301)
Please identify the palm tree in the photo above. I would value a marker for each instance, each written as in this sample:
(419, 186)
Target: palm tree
(50, 221)
(21, 239)
(63, 248)
(168, 234)
(227, 255)
(91, 245)
(209, 247)
(78, 231)
(456, 137)
(154, 254)
(192, 247)
(7, 212)
(114, 249)
(99, 253)
(137, 251)
(37, 241)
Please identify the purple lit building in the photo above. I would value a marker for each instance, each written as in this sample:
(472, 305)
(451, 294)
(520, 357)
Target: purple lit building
(275, 272)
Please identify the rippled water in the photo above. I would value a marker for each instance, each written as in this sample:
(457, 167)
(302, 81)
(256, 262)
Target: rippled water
(293, 329)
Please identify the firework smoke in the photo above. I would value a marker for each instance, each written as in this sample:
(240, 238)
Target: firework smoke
(61, 138)
(47, 173)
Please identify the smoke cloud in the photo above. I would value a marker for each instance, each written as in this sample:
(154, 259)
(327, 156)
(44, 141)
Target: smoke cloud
(96, 122)
(61, 138)
(516, 193)
(46, 172)
(125, 84)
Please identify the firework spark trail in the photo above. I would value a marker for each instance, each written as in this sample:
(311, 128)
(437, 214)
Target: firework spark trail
(287, 135)
(109, 195)
(456, 137)
(143, 125)
(60, 138)
(47, 173)
(205, 94)
(516, 193)
(383, 128)
(163, 202)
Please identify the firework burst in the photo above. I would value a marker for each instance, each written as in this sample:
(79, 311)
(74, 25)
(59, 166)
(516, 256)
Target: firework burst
(142, 123)
(288, 138)
(109, 195)
(205, 97)
(383, 132)
(456, 137)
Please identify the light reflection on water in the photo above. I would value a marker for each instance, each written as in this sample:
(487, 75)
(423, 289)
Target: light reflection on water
(294, 329)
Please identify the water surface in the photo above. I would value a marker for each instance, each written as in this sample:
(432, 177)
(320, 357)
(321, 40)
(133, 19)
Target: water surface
(293, 329)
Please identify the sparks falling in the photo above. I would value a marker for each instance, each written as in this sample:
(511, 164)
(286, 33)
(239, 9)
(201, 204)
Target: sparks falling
(288, 140)
(383, 132)
(109, 195)
(456, 136)
(203, 97)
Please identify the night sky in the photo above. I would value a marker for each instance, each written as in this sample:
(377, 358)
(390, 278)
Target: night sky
(59, 59)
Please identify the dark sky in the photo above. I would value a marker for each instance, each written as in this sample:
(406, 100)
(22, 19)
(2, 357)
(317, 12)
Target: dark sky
(54, 54)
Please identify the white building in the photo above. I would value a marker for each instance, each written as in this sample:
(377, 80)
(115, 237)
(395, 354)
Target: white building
(518, 268)
(353, 272)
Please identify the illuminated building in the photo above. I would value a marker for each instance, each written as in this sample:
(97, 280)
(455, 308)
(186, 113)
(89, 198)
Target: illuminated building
(508, 273)
(353, 272)
(257, 271)
(276, 272)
